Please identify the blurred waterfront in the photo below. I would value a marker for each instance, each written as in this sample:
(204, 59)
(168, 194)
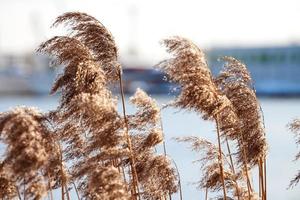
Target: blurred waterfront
(278, 113)
(275, 71)
(267, 42)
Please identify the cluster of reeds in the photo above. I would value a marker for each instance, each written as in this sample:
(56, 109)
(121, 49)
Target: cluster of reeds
(85, 145)
(230, 101)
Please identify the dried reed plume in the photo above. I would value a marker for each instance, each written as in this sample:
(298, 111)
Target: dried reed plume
(96, 37)
(188, 68)
(155, 173)
(235, 82)
(87, 121)
(107, 184)
(101, 44)
(211, 176)
(8, 188)
(295, 128)
(81, 73)
(29, 148)
(104, 142)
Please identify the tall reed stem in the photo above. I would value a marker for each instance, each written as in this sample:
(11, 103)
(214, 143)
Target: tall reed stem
(50, 188)
(265, 159)
(18, 191)
(62, 174)
(24, 189)
(164, 144)
(261, 179)
(179, 179)
(67, 191)
(132, 158)
(233, 169)
(265, 177)
(163, 133)
(221, 159)
(249, 187)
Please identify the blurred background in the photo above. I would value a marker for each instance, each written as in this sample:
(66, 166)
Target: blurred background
(263, 34)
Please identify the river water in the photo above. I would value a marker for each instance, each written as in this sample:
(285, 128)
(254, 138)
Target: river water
(278, 112)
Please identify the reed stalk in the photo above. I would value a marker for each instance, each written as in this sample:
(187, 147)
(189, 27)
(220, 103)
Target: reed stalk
(132, 158)
(18, 192)
(24, 189)
(265, 177)
(233, 169)
(261, 179)
(249, 187)
(76, 190)
(163, 133)
(179, 180)
(62, 174)
(49, 186)
(221, 159)
(165, 151)
(124, 176)
(67, 191)
(259, 187)
(265, 159)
